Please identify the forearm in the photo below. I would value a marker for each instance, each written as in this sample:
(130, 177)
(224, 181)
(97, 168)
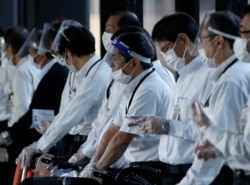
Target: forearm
(113, 129)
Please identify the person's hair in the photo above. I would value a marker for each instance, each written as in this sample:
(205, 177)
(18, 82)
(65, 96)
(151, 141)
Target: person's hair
(131, 29)
(224, 21)
(126, 18)
(136, 42)
(80, 41)
(246, 10)
(168, 28)
(17, 37)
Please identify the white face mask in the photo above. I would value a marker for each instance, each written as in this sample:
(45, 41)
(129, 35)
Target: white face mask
(70, 66)
(121, 77)
(210, 62)
(240, 49)
(173, 61)
(106, 40)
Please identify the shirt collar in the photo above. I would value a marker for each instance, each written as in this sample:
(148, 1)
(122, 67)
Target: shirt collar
(131, 85)
(222, 67)
(191, 66)
(83, 71)
(22, 61)
(156, 63)
(46, 68)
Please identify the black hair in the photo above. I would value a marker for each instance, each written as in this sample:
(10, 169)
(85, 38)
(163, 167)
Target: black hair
(80, 41)
(136, 42)
(168, 28)
(126, 18)
(17, 36)
(224, 21)
(131, 29)
(247, 10)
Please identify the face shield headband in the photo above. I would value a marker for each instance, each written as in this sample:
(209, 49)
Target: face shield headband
(123, 48)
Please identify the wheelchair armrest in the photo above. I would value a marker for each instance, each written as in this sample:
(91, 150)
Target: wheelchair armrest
(66, 165)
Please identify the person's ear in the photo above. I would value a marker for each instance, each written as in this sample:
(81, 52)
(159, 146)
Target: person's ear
(219, 42)
(185, 39)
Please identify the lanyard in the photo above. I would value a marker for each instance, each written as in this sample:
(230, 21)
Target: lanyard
(108, 89)
(92, 67)
(138, 85)
(232, 63)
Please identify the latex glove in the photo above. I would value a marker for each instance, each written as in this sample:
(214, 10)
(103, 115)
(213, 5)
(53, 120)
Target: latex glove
(41, 129)
(199, 116)
(25, 157)
(206, 150)
(149, 124)
(86, 172)
(77, 158)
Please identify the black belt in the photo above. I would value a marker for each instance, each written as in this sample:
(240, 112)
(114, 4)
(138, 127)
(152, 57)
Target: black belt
(176, 169)
(241, 174)
(79, 138)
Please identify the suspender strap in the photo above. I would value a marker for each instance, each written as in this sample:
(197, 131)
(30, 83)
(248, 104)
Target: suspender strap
(92, 67)
(138, 85)
(232, 63)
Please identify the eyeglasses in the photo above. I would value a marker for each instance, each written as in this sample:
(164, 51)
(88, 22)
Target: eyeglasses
(206, 36)
(244, 32)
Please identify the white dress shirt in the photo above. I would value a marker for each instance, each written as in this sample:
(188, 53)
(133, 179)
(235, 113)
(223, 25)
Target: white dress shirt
(193, 84)
(235, 147)
(164, 73)
(105, 116)
(24, 84)
(151, 98)
(6, 75)
(81, 109)
(229, 96)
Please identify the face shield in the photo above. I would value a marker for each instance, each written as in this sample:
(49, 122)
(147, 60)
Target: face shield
(207, 32)
(30, 46)
(124, 49)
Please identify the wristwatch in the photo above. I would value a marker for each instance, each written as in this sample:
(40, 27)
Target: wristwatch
(7, 138)
(166, 127)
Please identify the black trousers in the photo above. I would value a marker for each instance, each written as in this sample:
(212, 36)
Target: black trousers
(3, 125)
(240, 178)
(7, 171)
(224, 177)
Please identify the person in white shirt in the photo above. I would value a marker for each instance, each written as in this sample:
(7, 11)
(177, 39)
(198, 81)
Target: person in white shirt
(175, 42)
(233, 146)
(217, 37)
(85, 91)
(143, 93)
(25, 75)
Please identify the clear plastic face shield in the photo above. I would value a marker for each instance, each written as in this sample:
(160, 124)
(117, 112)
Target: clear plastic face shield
(205, 36)
(123, 48)
(30, 46)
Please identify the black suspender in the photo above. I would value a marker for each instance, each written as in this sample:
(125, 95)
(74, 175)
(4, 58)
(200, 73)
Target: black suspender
(138, 85)
(232, 63)
(92, 67)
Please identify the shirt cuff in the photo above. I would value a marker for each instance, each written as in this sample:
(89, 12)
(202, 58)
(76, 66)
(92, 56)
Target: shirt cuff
(212, 132)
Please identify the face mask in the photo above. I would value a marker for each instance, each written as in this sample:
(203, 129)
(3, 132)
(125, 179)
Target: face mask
(71, 67)
(121, 77)
(106, 40)
(173, 61)
(210, 62)
(240, 49)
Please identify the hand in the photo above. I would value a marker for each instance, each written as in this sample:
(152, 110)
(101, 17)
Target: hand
(199, 116)
(77, 158)
(206, 150)
(25, 157)
(151, 125)
(86, 172)
(43, 127)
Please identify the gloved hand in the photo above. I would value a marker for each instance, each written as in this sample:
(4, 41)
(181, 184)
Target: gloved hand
(86, 172)
(25, 157)
(206, 150)
(151, 125)
(77, 158)
(41, 129)
(199, 116)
